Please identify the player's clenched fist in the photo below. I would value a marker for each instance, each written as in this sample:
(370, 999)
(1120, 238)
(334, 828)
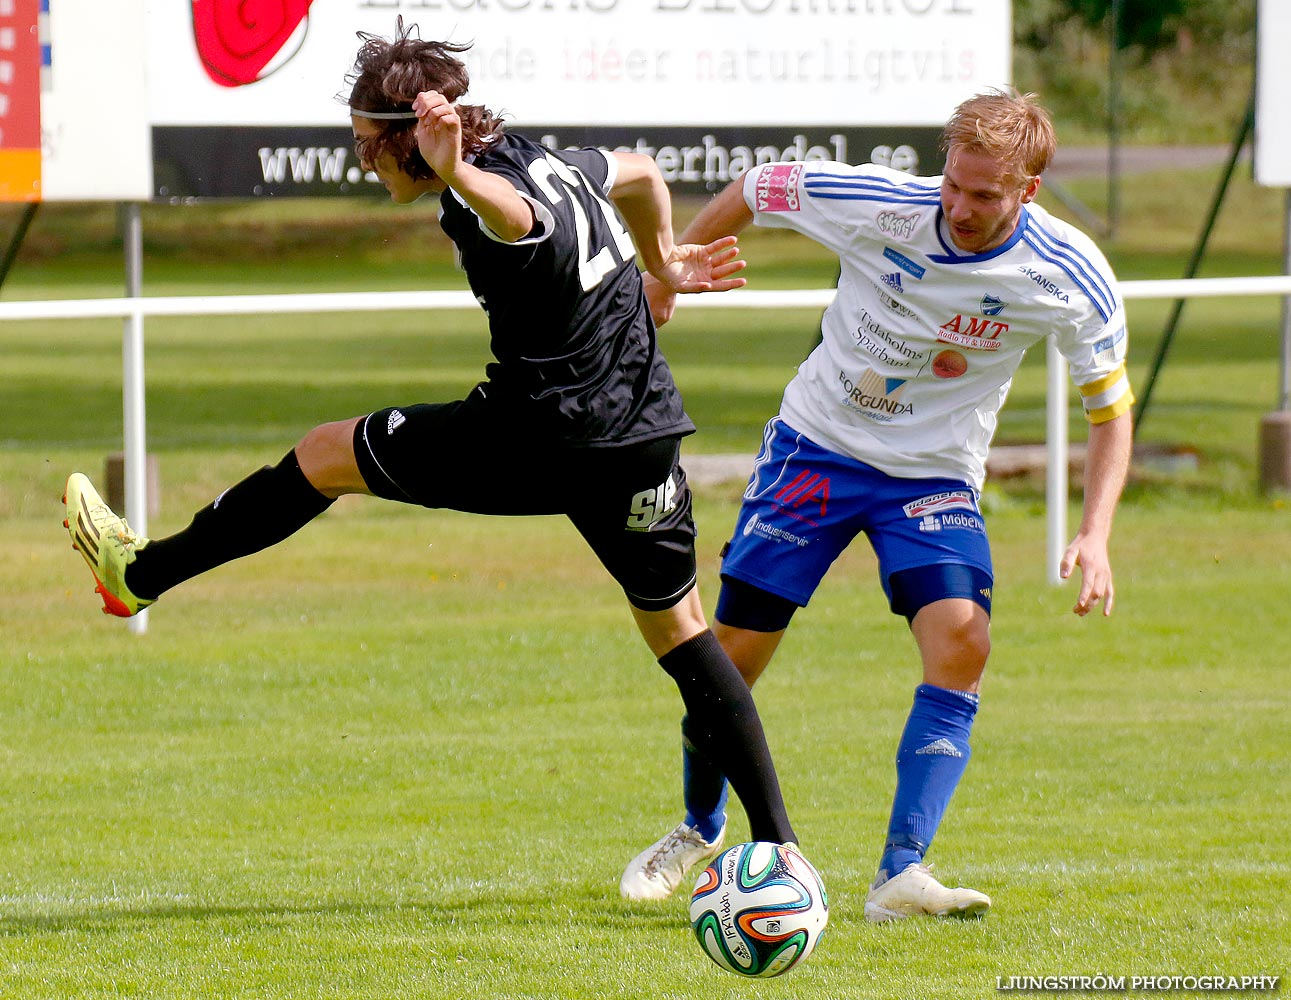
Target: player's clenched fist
(439, 132)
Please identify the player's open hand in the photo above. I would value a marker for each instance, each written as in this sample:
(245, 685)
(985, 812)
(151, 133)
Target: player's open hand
(439, 132)
(709, 267)
(1095, 574)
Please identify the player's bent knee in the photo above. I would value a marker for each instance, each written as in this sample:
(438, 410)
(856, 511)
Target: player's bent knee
(954, 643)
(972, 641)
(664, 628)
(326, 457)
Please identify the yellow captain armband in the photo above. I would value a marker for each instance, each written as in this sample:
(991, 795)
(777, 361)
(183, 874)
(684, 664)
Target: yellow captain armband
(1108, 397)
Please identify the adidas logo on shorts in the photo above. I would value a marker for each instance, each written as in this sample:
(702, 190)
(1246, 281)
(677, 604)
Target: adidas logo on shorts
(392, 424)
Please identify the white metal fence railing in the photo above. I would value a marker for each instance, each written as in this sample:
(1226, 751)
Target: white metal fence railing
(744, 298)
(135, 309)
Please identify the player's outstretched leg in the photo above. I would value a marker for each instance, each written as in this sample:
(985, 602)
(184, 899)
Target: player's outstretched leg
(261, 510)
(105, 542)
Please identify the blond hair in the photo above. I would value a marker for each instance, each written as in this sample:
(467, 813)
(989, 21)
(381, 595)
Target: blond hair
(1012, 128)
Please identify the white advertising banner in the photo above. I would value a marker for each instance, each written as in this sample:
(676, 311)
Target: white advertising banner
(81, 90)
(1273, 94)
(133, 99)
(588, 62)
(94, 112)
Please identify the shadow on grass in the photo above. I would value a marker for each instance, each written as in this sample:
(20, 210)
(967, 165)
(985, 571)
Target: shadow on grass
(592, 910)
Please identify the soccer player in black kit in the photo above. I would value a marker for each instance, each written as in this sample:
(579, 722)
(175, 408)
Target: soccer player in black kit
(578, 414)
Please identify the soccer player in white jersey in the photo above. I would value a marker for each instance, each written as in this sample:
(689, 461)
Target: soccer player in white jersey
(945, 282)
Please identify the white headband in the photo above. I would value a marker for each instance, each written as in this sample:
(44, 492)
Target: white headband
(382, 115)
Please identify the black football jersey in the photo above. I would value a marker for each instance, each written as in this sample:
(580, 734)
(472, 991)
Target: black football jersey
(577, 356)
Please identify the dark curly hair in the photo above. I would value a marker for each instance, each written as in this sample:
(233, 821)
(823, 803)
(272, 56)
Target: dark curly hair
(388, 75)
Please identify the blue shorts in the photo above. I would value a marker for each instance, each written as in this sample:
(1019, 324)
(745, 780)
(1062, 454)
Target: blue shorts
(805, 504)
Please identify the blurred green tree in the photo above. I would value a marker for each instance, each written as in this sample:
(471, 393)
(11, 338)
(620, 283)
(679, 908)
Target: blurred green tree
(1187, 65)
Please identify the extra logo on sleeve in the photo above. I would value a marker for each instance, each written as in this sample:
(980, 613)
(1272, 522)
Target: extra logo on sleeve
(777, 188)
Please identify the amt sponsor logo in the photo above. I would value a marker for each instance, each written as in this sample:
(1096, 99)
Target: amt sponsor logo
(977, 333)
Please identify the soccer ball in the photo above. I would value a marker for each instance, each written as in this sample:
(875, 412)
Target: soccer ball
(759, 909)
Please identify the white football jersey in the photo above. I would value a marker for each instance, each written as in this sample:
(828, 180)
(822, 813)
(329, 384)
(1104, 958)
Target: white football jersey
(921, 341)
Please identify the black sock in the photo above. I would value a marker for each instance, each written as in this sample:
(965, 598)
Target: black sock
(263, 509)
(723, 722)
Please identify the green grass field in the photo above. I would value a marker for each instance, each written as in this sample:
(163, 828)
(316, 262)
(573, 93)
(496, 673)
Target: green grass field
(407, 753)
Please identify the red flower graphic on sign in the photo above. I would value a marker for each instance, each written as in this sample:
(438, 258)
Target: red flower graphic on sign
(237, 39)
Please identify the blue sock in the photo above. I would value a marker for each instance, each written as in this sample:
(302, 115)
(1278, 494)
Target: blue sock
(931, 758)
(704, 790)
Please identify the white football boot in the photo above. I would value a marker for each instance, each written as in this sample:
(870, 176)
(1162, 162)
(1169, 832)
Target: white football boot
(657, 871)
(915, 893)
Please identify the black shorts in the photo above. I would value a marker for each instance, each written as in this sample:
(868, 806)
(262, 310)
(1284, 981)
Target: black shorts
(630, 502)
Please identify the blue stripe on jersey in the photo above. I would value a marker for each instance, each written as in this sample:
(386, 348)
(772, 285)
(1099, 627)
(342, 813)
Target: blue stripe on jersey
(868, 188)
(886, 199)
(1081, 270)
(912, 183)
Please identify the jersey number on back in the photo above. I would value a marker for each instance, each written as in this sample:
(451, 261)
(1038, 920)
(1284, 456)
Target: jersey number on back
(611, 246)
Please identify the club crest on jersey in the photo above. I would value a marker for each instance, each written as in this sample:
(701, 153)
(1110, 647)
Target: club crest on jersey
(651, 506)
(777, 188)
(977, 333)
(991, 305)
(938, 503)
